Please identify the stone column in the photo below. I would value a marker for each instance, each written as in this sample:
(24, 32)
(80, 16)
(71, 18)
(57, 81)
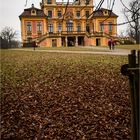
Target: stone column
(66, 41)
(76, 43)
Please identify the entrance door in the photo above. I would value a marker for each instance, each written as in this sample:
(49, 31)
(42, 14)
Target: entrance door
(98, 42)
(71, 41)
(54, 43)
(63, 43)
(81, 40)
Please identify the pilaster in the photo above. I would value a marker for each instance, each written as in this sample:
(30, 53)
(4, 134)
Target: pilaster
(66, 40)
(76, 43)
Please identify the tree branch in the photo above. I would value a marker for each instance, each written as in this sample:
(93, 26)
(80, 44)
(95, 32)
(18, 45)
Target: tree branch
(130, 23)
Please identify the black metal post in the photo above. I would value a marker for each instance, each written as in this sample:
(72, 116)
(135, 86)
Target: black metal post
(132, 70)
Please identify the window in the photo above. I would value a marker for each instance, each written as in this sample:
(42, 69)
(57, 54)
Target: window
(87, 28)
(59, 27)
(87, 14)
(110, 26)
(78, 27)
(101, 27)
(59, 14)
(93, 27)
(39, 26)
(69, 26)
(78, 14)
(50, 28)
(29, 27)
(54, 43)
(86, 2)
(33, 12)
(50, 14)
(49, 1)
(105, 12)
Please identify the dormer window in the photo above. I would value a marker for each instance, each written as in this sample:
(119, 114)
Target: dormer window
(33, 12)
(105, 12)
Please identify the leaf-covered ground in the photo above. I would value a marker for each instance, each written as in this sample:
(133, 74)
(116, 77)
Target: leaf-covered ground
(52, 96)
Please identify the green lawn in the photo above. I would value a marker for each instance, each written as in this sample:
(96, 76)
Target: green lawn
(130, 47)
(63, 96)
(94, 48)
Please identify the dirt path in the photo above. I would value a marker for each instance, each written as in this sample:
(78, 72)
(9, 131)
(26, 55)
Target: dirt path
(104, 51)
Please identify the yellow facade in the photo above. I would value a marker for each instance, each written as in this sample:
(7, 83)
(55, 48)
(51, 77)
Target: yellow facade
(73, 24)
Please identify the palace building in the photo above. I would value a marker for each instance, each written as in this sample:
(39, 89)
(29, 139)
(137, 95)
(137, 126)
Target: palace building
(76, 23)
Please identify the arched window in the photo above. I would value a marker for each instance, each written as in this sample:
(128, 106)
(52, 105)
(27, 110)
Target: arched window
(69, 25)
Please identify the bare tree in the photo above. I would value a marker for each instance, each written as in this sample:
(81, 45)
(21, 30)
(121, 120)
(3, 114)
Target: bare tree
(7, 35)
(132, 14)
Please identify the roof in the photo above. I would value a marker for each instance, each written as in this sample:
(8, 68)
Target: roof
(100, 13)
(27, 12)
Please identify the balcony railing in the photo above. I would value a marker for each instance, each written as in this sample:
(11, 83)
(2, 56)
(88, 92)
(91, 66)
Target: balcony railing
(29, 33)
(39, 33)
(98, 33)
(73, 32)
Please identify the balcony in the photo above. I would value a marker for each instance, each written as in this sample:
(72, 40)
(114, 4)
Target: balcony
(39, 33)
(72, 32)
(54, 34)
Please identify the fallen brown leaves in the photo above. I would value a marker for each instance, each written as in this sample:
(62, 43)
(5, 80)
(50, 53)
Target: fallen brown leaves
(64, 97)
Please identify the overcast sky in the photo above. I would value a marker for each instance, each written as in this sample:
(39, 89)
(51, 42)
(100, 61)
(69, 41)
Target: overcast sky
(11, 9)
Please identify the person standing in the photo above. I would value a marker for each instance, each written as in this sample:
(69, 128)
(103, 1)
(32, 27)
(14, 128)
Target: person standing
(109, 43)
(113, 45)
